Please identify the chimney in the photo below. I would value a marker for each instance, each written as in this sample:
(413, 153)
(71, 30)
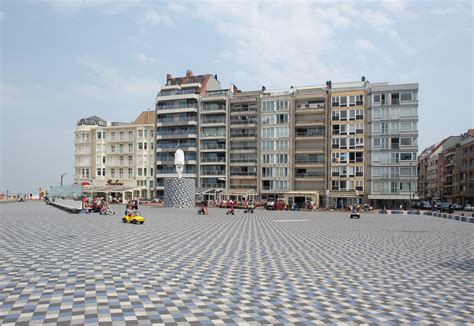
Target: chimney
(215, 76)
(328, 84)
(362, 79)
(189, 73)
(264, 88)
(169, 76)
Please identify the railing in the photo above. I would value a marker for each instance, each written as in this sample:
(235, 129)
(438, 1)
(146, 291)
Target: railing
(213, 159)
(310, 106)
(213, 146)
(233, 110)
(212, 185)
(243, 161)
(243, 173)
(177, 92)
(213, 121)
(309, 175)
(217, 93)
(173, 170)
(174, 145)
(186, 132)
(243, 148)
(309, 134)
(242, 122)
(169, 107)
(243, 135)
(309, 162)
(243, 187)
(212, 134)
(213, 108)
(213, 172)
(168, 120)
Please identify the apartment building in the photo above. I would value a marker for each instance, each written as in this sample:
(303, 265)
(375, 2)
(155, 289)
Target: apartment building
(446, 170)
(177, 123)
(305, 143)
(243, 144)
(348, 143)
(116, 159)
(393, 144)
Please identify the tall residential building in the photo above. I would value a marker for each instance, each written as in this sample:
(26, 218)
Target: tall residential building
(116, 159)
(393, 144)
(446, 170)
(178, 125)
(305, 143)
(348, 145)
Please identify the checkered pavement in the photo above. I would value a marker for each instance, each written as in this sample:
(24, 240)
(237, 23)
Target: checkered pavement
(263, 268)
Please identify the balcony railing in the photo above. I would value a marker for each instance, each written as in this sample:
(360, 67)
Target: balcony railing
(308, 162)
(310, 175)
(239, 173)
(243, 135)
(213, 120)
(213, 172)
(310, 106)
(309, 134)
(243, 160)
(212, 185)
(182, 106)
(212, 159)
(213, 146)
(171, 120)
(212, 134)
(243, 186)
(245, 148)
(213, 108)
(252, 109)
(177, 92)
(243, 122)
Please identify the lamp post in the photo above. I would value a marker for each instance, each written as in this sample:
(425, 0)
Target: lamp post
(409, 186)
(62, 175)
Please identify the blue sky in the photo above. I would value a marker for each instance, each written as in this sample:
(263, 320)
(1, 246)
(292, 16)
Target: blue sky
(64, 60)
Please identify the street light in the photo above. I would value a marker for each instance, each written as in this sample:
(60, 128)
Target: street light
(62, 175)
(409, 186)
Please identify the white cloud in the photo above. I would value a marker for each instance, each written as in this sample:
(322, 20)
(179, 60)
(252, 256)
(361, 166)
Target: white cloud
(143, 58)
(155, 16)
(394, 5)
(363, 44)
(106, 81)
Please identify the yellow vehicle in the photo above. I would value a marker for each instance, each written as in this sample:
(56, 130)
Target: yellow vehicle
(133, 217)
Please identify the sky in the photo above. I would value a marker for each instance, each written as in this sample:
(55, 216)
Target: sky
(65, 60)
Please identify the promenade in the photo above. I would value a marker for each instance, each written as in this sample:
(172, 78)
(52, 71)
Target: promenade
(270, 267)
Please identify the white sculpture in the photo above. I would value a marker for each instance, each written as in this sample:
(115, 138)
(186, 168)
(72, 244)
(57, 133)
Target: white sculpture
(179, 162)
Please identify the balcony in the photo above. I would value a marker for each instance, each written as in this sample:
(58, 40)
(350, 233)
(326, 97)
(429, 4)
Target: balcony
(213, 146)
(213, 121)
(243, 160)
(244, 174)
(236, 111)
(213, 160)
(243, 148)
(243, 122)
(213, 172)
(243, 135)
(213, 185)
(213, 135)
(309, 162)
(239, 186)
(176, 122)
(309, 134)
(309, 175)
(176, 135)
(319, 105)
(213, 108)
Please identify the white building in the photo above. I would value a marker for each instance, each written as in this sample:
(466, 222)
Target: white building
(115, 159)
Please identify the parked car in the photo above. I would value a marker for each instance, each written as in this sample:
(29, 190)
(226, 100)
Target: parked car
(444, 207)
(469, 208)
(458, 207)
(422, 205)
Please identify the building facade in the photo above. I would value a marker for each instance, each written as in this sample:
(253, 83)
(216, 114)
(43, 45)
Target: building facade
(446, 170)
(393, 144)
(315, 143)
(115, 159)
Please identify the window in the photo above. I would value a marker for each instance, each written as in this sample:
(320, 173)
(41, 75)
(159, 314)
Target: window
(343, 115)
(140, 133)
(395, 97)
(112, 135)
(130, 135)
(112, 173)
(335, 101)
(140, 145)
(112, 148)
(376, 99)
(121, 173)
(130, 176)
(376, 114)
(360, 100)
(407, 156)
(343, 101)
(376, 142)
(406, 126)
(121, 160)
(376, 127)
(103, 159)
(406, 141)
(406, 96)
(352, 100)
(140, 172)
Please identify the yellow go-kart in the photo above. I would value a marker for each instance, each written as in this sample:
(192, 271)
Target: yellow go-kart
(133, 218)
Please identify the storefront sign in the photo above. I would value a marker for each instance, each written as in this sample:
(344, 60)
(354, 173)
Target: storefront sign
(114, 183)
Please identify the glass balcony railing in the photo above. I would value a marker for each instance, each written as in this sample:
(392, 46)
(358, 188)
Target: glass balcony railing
(212, 159)
(243, 134)
(242, 173)
(243, 148)
(213, 146)
(215, 120)
(213, 172)
(177, 106)
(243, 160)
